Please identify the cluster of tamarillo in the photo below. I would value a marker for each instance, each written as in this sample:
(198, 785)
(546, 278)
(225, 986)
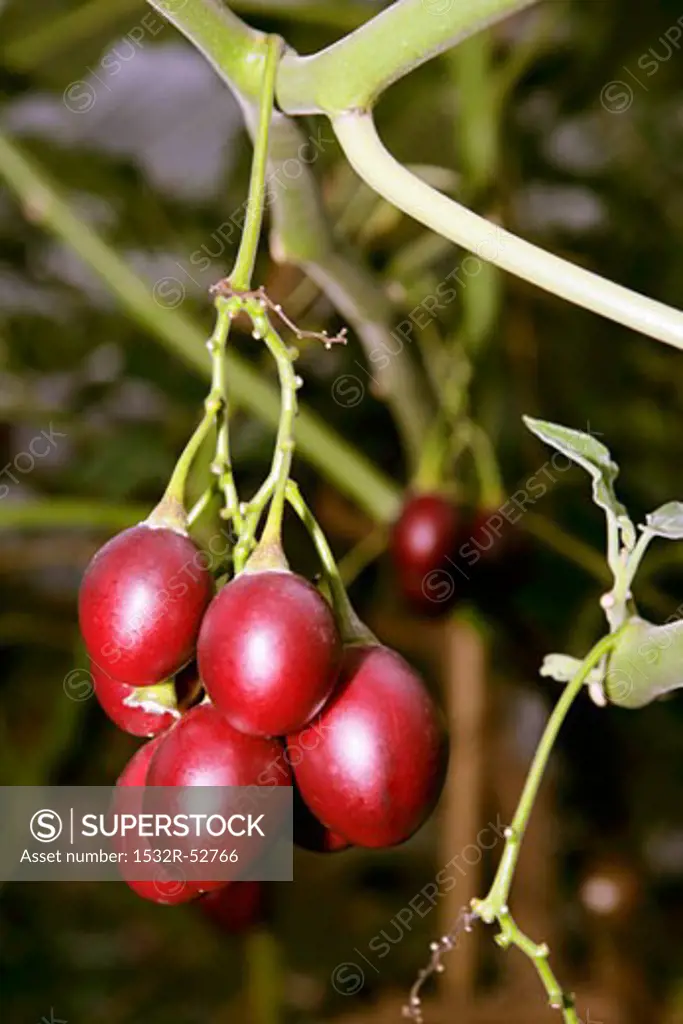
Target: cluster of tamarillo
(254, 684)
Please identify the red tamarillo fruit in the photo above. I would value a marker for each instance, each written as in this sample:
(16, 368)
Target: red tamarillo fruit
(269, 652)
(372, 764)
(141, 604)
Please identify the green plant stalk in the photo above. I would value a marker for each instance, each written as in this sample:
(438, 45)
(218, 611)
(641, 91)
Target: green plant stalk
(246, 256)
(364, 149)
(216, 402)
(175, 489)
(489, 908)
(200, 506)
(252, 516)
(284, 443)
(352, 73)
(341, 463)
(301, 234)
(479, 129)
(351, 628)
(478, 112)
(494, 907)
(227, 42)
(615, 603)
(511, 935)
(492, 491)
(221, 466)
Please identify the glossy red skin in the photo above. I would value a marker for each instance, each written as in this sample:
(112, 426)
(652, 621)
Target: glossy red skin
(203, 749)
(141, 604)
(423, 540)
(138, 721)
(269, 652)
(171, 892)
(373, 763)
(310, 834)
(236, 908)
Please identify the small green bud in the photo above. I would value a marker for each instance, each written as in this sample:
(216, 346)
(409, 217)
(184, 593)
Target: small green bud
(646, 663)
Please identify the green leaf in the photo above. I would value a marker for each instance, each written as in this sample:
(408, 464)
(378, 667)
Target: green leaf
(667, 521)
(563, 668)
(593, 456)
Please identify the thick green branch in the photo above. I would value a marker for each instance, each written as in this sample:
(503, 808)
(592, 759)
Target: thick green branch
(366, 153)
(339, 461)
(228, 43)
(352, 73)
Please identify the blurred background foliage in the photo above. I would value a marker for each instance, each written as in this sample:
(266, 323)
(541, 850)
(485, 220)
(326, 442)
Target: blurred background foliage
(155, 157)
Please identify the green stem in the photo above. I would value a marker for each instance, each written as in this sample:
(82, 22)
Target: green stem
(284, 443)
(625, 567)
(351, 627)
(511, 935)
(301, 234)
(341, 462)
(352, 73)
(175, 490)
(489, 908)
(226, 41)
(222, 464)
(494, 907)
(200, 506)
(359, 139)
(246, 256)
(430, 472)
(492, 492)
(478, 112)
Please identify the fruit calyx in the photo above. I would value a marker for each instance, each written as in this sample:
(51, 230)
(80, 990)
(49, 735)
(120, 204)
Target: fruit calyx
(268, 556)
(159, 699)
(169, 514)
(354, 632)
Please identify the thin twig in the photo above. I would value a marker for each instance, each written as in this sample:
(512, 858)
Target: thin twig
(225, 289)
(463, 923)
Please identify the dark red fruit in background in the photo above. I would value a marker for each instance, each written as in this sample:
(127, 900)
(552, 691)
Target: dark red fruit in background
(130, 717)
(236, 908)
(311, 834)
(269, 652)
(372, 765)
(167, 891)
(423, 540)
(203, 749)
(141, 603)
